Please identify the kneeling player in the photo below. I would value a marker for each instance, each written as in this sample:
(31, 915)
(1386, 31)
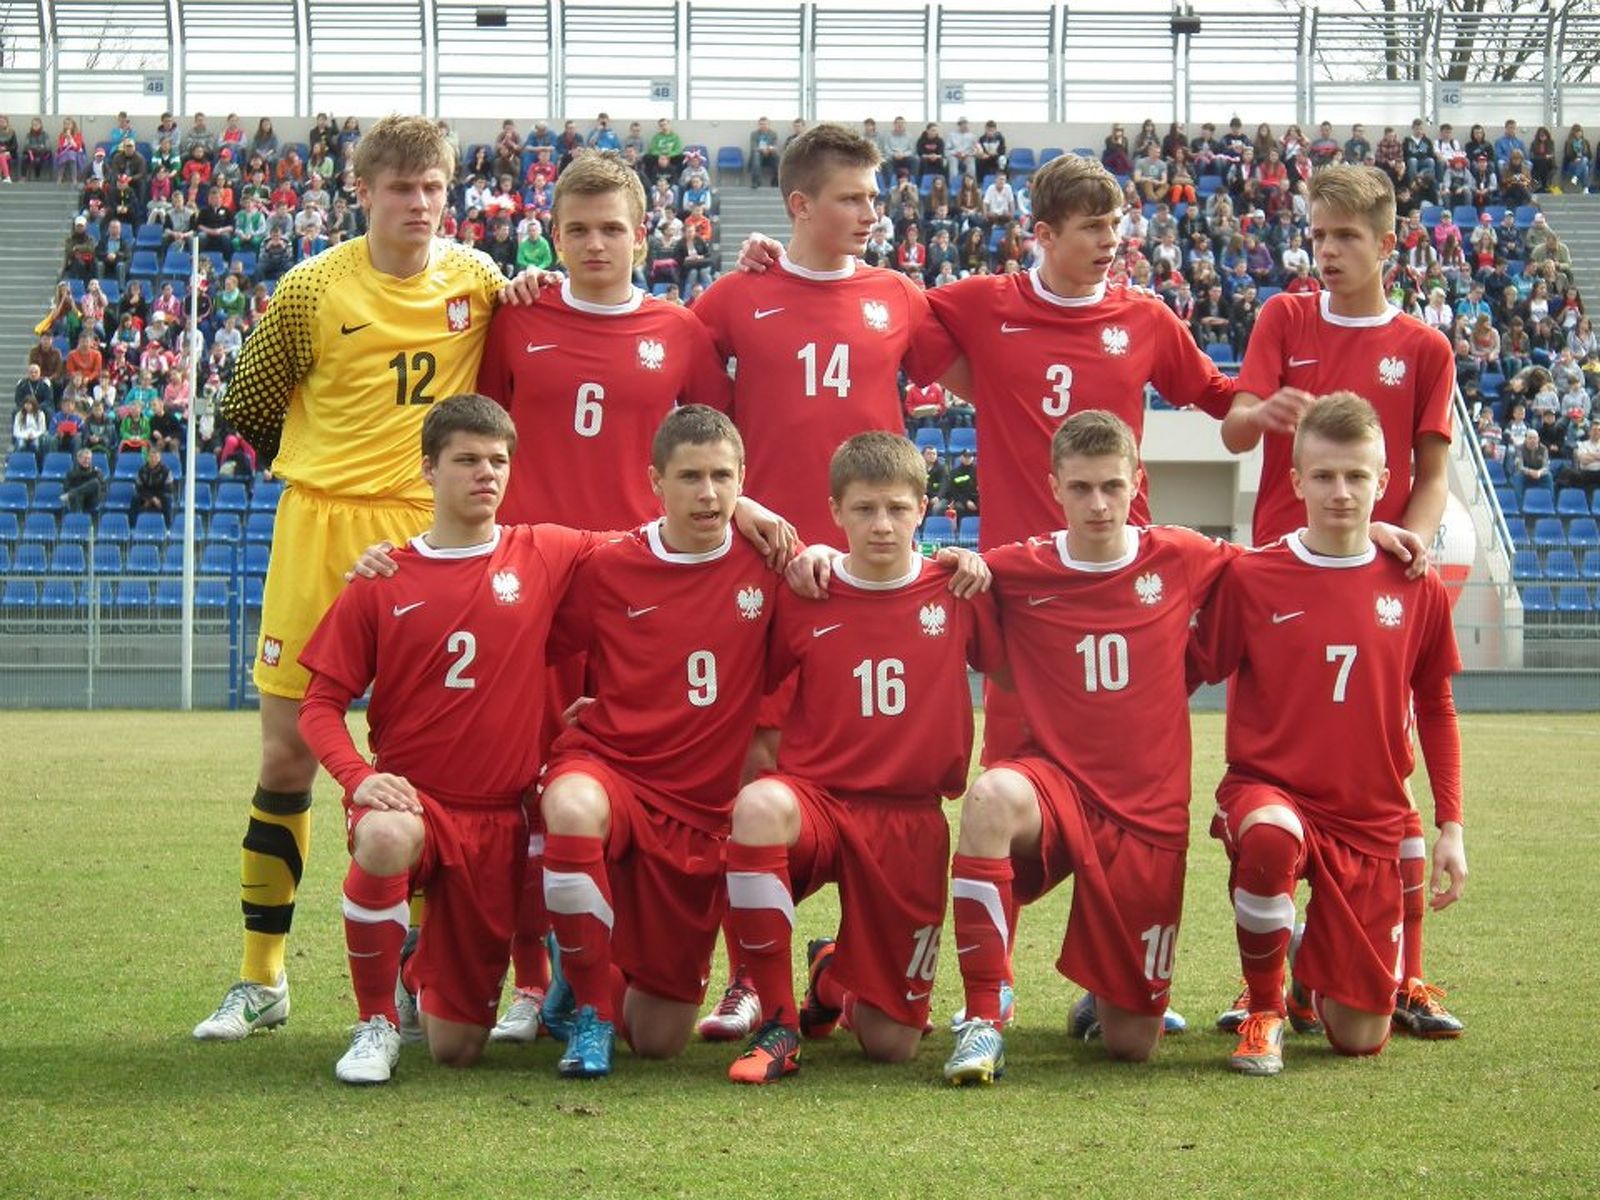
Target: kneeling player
(1327, 640)
(880, 730)
(454, 648)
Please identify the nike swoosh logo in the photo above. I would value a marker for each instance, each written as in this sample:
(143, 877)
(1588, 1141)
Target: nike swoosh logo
(1035, 601)
(762, 314)
(913, 997)
(349, 329)
(248, 886)
(255, 1014)
(400, 612)
(1007, 327)
(1280, 618)
(532, 349)
(363, 953)
(960, 950)
(568, 949)
(1301, 362)
(816, 633)
(639, 612)
(758, 945)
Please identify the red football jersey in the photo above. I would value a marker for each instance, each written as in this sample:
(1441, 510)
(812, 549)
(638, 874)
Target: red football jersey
(587, 385)
(883, 705)
(1326, 653)
(819, 356)
(453, 645)
(1403, 368)
(677, 647)
(1037, 357)
(1097, 652)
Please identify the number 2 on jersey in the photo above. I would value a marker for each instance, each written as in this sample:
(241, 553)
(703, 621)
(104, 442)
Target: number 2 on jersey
(464, 646)
(835, 375)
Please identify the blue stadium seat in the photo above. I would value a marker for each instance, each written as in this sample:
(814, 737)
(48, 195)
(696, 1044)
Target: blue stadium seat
(1430, 215)
(1591, 566)
(180, 523)
(1266, 292)
(205, 468)
(1560, 566)
(173, 464)
(76, 288)
(47, 498)
(930, 437)
(256, 556)
(1051, 153)
(1507, 495)
(113, 527)
(1525, 215)
(119, 496)
(112, 290)
(266, 495)
(217, 558)
(225, 527)
(30, 559)
(202, 495)
(54, 468)
(963, 437)
(149, 236)
(1572, 502)
(1525, 566)
(1574, 598)
(1538, 600)
(172, 558)
(1466, 216)
(5, 557)
(1222, 355)
(1538, 502)
(730, 160)
(255, 589)
(967, 533)
(133, 593)
(258, 527)
(211, 594)
(1490, 383)
(68, 559)
(128, 464)
(10, 530)
(22, 467)
(149, 527)
(143, 559)
(22, 594)
(1496, 471)
(14, 496)
(940, 530)
(39, 527)
(169, 593)
(177, 263)
(145, 265)
(1549, 531)
(1021, 161)
(75, 527)
(58, 594)
(1583, 533)
(107, 558)
(232, 497)
(1496, 213)
(246, 261)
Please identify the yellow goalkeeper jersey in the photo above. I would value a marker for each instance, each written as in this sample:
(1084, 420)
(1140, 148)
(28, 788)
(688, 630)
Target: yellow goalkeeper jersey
(333, 383)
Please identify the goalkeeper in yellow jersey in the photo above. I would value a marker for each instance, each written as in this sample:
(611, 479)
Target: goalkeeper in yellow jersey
(331, 389)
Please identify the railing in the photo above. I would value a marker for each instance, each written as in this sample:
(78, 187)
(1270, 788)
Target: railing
(1028, 61)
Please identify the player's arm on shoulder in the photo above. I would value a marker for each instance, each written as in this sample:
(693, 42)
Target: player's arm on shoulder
(1260, 403)
(1216, 646)
(935, 353)
(280, 352)
(758, 253)
(1430, 486)
(970, 574)
(1184, 374)
(985, 646)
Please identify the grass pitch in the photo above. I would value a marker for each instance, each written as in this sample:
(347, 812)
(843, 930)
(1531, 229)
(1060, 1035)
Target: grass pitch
(118, 886)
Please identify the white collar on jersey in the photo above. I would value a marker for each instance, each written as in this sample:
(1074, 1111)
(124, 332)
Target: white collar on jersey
(631, 304)
(887, 585)
(482, 549)
(1130, 535)
(659, 548)
(1312, 559)
(1325, 303)
(794, 268)
(1050, 297)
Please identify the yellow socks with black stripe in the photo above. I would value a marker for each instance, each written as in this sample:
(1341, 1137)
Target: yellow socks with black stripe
(273, 858)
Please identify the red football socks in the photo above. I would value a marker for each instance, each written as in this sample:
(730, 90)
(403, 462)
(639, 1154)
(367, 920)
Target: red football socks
(1263, 904)
(577, 895)
(376, 915)
(980, 890)
(761, 926)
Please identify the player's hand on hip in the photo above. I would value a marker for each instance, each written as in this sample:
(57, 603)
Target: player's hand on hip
(1449, 867)
(525, 288)
(374, 563)
(758, 253)
(972, 573)
(1281, 411)
(1404, 545)
(387, 793)
(769, 533)
(811, 571)
(569, 715)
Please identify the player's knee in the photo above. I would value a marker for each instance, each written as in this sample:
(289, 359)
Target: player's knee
(998, 802)
(1128, 1037)
(762, 812)
(386, 843)
(457, 1049)
(1352, 1031)
(575, 805)
(658, 1039)
(898, 1044)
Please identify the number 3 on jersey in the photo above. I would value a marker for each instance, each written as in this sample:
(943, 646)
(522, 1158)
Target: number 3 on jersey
(1058, 378)
(835, 374)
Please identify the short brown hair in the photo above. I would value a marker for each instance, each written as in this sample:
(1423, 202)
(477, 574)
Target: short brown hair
(1071, 186)
(1342, 418)
(812, 156)
(877, 457)
(1357, 191)
(1094, 433)
(467, 413)
(598, 173)
(693, 425)
(410, 145)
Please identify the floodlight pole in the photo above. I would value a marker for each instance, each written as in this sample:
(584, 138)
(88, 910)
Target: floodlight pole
(191, 355)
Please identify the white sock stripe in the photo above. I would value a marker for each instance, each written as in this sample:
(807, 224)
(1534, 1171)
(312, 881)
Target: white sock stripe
(573, 893)
(535, 845)
(1413, 848)
(988, 895)
(760, 889)
(400, 913)
(1263, 914)
(1409, 890)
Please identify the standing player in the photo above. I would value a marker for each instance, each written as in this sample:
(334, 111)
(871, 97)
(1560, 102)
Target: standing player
(636, 798)
(588, 373)
(1334, 652)
(1349, 337)
(880, 730)
(358, 343)
(454, 649)
(1096, 622)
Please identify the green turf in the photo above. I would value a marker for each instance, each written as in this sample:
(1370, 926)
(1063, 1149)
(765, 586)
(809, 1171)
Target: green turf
(118, 885)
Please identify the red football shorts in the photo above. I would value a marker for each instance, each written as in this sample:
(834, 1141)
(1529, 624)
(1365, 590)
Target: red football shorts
(1351, 948)
(1127, 894)
(891, 861)
(470, 874)
(773, 712)
(668, 889)
(1005, 733)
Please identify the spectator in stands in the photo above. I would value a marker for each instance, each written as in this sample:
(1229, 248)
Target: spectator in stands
(911, 256)
(930, 152)
(900, 151)
(763, 153)
(941, 254)
(37, 155)
(634, 144)
(961, 150)
(962, 491)
(84, 485)
(92, 306)
(991, 153)
(879, 250)
(166, 428)
(71, 159)
(693, 252)
(1582, 341)
(10, 149)
(534, 249)
(30, 428)
(66, 426)
(938, 472)
(100, 430)
(1584, 469)
(1115, 156)
(1531, 467)
(999, 201)
(152, 486)
(86, 360)
(215, 225)
(276, 255)
(1419, 152)
(1577, 159)
(1516, 181)
(198, 137)
(1508, 143)
(665, 152)
(264, 141)
(35, 386)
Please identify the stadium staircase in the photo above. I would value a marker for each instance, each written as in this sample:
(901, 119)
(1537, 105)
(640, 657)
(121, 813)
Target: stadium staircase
(1576, 218)
(34, 222)
(745, 211)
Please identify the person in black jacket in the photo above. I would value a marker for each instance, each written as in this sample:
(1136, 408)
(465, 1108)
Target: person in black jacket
(84, 485)
(962, 494)
(152, 487)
